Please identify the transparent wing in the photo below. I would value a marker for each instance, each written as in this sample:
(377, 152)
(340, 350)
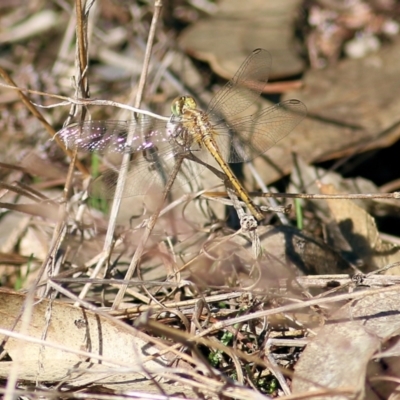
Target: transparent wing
(147, 173)
(110, 136)
(244, 88)
(155, 148)
(253, 135)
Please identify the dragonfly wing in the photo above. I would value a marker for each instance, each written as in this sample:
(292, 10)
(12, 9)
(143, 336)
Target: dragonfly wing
(109, 139)
(147, 173)
(110, 136)
(244, 88)
(155, 148)
(253, 135)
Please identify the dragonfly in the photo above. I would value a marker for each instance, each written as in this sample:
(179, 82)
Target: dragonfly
(215, 134)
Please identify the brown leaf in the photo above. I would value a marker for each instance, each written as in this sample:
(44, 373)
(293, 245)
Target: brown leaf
(337, 358)
(299, 252)
(71, 329)
(360, 230)
(240, 28)
(352, 107)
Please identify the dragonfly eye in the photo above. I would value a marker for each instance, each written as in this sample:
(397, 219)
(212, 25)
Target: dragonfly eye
(176, 106)
(181, 104)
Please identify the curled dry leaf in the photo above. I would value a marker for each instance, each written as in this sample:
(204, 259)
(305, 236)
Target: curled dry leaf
(241, 27)
(337, 358)
(69, 331)
(361, 233)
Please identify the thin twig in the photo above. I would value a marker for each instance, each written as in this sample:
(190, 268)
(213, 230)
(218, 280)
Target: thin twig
(81, 102)
(81, 91)
(82, 49)
(317, 196)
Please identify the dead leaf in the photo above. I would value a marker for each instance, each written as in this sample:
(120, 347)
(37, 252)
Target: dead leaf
(337, 358)
(357, 93)
(72, 330)
(360, 231)
(42, 167)
(352, 107)
(300, 252)
(240, 28)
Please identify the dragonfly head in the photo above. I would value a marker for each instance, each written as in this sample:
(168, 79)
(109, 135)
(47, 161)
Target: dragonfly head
(181, 104)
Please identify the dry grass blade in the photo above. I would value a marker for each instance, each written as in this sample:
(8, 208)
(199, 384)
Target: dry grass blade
(36, 210)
